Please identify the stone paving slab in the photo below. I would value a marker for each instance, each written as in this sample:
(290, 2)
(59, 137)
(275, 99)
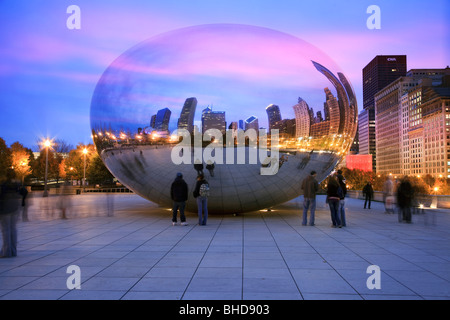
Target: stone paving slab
(136, 254)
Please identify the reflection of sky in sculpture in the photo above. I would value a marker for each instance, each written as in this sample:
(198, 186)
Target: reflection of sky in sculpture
(239, 70)
(235, 68)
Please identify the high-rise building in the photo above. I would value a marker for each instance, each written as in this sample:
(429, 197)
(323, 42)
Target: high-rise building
(334, 111)
(233, 125)
(380, 72)
(213, 120)
(186, 119)
(153, 121)
(411, 116)
(366, 132)
(345, 100)
(388, 125)
(273, 115)
(162, 119)
(302, 119)
(286, 128)
(377, 74)
(252, 123)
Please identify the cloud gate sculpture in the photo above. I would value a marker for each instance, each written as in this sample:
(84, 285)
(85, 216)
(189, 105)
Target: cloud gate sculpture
(255, 110)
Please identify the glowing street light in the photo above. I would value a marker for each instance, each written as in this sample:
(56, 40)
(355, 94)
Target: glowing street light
(47, 144)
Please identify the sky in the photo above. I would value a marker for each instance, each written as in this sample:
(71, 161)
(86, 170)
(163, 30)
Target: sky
(48, 71)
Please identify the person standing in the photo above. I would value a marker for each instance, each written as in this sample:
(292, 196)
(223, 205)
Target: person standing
(368, 194)
(9, 207)
(310, 187)
(405, 196)
(179, 195)
(334, 193)
(343, 186)
(201, 193)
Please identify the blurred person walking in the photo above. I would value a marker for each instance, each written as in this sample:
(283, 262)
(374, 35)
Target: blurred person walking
(201, 193)
(310, 187)
(388, 195)
(9, 207)
(179, 195)
(24, 193)
(63, 202)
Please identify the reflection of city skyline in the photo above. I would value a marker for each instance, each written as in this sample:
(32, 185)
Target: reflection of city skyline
(305, 123)
(330, 129)
(339, 115)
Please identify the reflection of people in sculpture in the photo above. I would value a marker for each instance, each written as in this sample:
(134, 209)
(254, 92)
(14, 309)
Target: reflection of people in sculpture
(304, 162)
(210, 167)
(198, 165)
(283, 159)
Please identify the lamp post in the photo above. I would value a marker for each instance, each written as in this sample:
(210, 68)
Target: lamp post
(85, 151)
(47, 145)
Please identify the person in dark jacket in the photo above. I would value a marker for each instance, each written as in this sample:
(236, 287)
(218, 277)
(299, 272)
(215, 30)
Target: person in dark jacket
(334, 193)
(179, 195)
(343, 186)
(310, 187)
(198, 166)
(9, 207)
(368, 194)
(405, 196)
(202, 200)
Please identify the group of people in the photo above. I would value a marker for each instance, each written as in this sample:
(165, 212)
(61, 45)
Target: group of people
(179, 195)
(404, 197)
(336, 192)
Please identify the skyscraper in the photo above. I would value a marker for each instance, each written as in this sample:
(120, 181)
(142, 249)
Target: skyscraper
(335, 112)
(186, 119)
(213, 120)
(162, 120)
(273, 115)
(377, 74)
(380, 72)
(252, 123)
(302, 118)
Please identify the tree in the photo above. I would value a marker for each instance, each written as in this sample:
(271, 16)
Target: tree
(97, 172)
(61, 146)
(21, 159)
(74, 163)
(5, 159)
(54, 159)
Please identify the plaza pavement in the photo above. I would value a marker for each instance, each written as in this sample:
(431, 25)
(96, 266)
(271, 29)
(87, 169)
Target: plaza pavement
(264, 255)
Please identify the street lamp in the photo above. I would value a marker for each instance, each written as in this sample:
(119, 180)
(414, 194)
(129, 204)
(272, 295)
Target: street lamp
(85, 151)
(47, 144)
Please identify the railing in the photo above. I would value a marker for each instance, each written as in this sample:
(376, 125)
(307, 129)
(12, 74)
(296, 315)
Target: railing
(109, 190)
(430, 201)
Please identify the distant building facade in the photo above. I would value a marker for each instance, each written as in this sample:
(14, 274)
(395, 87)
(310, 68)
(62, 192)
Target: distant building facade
(302, 119)
(411, 117)
(186, 119)
(376, 75)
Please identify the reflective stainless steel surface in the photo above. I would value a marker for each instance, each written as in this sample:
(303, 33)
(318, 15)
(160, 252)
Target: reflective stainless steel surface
(153, 105)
